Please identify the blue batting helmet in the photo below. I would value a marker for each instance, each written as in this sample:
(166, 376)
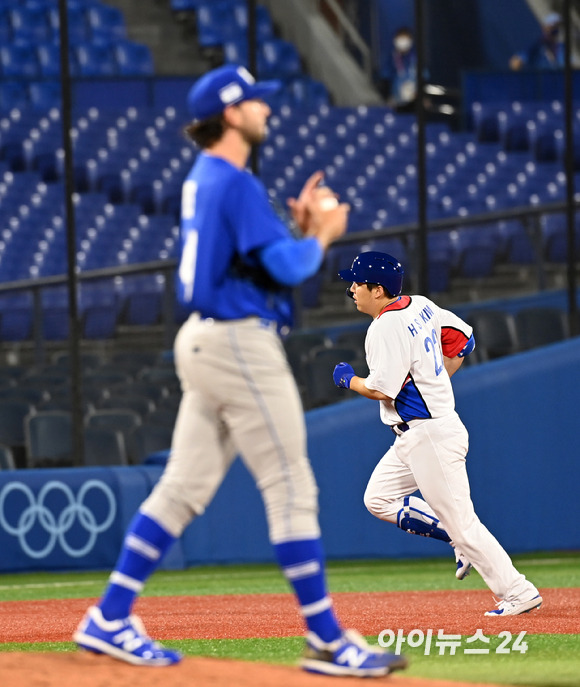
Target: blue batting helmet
(373, 267)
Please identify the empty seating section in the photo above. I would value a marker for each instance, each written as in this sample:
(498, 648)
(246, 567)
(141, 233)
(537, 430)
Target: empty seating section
(222, 26)
(124, 414)
(129, 165)
(30, 48)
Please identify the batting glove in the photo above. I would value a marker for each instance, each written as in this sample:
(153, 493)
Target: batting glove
(342, 375)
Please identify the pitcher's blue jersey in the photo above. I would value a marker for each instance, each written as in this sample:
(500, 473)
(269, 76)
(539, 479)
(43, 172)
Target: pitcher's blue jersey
(225, 218)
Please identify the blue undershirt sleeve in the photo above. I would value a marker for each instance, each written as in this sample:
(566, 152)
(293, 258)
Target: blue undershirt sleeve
(289, 261)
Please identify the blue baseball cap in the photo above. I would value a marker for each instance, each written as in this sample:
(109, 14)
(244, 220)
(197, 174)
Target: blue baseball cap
(227, 85)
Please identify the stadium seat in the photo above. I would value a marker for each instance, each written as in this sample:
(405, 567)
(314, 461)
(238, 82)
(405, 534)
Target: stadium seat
(133, 59)
(5, 27)
(95, 60)
(142, 308)
(78, 28)
(515, 133)
(495, 333)
(128, 401)
(55, 323)
(29, 24)
(186, 5)
(7, 461)
(280, 59)
(104, 446)
(320, 388)
(18, 60)
(16, 324)
(215, 24)
(99, 322)
(148, 439)
(106, 22)
(48, 439)
(45, 95)
(14, 94)
(122, 420)
(12, 414)
(540, 326)
(264, 27)
(48, 56)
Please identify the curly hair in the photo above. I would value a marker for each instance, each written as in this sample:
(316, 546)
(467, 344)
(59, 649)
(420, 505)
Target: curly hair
(207, 132)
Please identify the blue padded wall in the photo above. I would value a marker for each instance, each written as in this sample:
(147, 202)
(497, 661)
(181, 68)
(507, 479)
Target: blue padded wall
(520, 412)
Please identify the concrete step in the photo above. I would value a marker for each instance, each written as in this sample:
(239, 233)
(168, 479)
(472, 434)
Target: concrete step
(172, 43)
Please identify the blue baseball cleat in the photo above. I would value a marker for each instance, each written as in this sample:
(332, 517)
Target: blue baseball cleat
(515, 607)
(124, 639)
(348, 655)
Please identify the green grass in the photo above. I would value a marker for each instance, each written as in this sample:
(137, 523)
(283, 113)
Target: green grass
(550, 660)
(561, 569)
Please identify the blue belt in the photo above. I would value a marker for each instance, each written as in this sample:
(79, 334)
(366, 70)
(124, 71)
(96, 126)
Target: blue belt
(402, 427)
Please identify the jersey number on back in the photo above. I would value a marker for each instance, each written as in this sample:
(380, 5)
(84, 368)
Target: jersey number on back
(431, 345)
(189, 251)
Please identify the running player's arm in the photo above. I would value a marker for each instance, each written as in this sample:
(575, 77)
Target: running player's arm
(452, 364)
(358, 384)
(457, 341)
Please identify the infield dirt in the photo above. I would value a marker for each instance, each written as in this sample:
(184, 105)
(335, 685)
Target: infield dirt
(260, 615)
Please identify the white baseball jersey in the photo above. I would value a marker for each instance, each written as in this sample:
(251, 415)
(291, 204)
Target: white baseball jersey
(404, 348)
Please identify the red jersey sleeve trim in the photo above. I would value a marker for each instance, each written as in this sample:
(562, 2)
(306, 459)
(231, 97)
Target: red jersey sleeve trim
(452, 341)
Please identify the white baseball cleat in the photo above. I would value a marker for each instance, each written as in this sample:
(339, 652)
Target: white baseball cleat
(463, 566)
(515, 607)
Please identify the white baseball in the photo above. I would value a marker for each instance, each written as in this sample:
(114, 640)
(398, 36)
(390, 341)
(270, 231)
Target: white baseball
(328, 203)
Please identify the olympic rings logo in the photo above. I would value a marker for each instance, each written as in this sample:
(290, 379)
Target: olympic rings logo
(57, 526)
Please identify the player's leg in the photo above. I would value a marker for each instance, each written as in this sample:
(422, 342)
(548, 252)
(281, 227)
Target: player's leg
(388, 497)
(435, 451)
(266, 421)
(201, 455)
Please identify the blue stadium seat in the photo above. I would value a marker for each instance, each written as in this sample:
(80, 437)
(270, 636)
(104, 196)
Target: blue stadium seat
(48, 55)
(187, 5)
(142, 308)
(5, 26)
(280, 59)
(55, 323)
(555, 238)
(45, 95)
(95, 60)
(515, 133)
(19, 60)
(264, 27)
(308, 92)
(133, 59)
(215, 23)
(99, 321)
(16, 323)
(106, 22)
(546, 142)
(14, 94)
(78, 28)
(540, 326)
(30, 24)
(49, 165)
(486, 122)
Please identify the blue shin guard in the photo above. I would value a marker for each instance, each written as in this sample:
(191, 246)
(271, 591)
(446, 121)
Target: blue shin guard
(416, 517)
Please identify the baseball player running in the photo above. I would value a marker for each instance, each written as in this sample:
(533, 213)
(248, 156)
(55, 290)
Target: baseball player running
(238, 264)
(413, 347)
